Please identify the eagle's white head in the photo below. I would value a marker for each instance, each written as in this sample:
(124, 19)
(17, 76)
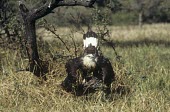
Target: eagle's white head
(89, 61)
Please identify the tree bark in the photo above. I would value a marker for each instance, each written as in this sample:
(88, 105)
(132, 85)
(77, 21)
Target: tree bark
(30, 16)
(31, 46)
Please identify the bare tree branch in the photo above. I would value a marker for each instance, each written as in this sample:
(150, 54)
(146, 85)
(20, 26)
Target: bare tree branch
(30, 16)
(53, 31)
(49, 6)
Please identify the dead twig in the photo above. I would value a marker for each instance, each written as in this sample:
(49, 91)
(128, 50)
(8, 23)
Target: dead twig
(53, 31)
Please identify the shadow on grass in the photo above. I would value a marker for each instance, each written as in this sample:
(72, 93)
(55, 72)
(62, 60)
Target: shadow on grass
(80, 90)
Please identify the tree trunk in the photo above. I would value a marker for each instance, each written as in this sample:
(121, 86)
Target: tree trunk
(31, 47)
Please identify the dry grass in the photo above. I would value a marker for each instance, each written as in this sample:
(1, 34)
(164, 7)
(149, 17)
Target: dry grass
(142, 75)
(123, 33)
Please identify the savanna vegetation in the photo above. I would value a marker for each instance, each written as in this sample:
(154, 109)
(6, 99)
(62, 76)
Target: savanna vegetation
(141, 65)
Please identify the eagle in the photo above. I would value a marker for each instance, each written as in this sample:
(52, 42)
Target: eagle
(93, 68)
